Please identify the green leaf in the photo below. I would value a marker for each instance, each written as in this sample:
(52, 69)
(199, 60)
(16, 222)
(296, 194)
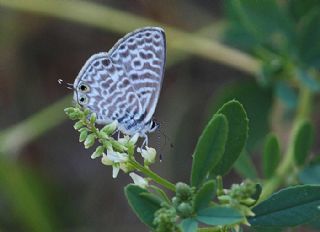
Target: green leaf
(258, 192)
(271, 155)
(289, 207)
(256, 100)
(219, 215)
(204, 195)
(160, 193)
(144, 207)
(310, 175)
(189, 225)
(237, 136)
(209, 149)
(302, 139)
(263, 23)
(245, 167)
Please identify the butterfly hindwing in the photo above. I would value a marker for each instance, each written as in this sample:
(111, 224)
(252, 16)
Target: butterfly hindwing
(141, 54)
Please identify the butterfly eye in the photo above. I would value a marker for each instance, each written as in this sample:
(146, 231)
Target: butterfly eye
(84, 88)
(83, 100)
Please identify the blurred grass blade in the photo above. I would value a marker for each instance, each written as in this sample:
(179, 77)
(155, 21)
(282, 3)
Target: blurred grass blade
(14, 138)
(27, 203)
(111, 19)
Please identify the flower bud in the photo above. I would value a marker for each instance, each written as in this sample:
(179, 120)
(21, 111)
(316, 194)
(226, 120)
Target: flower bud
(105, 160)
(93, 118)
(78, 125)
(98, 152)
(69, 110)
(148, 154)
(184, 191)
(89, 141)
(184, 209)
(83, 135)
(138, 180)
(110, 128)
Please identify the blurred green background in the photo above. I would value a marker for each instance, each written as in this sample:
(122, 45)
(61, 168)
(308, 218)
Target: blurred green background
(217, 50)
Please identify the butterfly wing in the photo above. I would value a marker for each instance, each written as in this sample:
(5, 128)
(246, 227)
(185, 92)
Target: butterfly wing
(141, 55)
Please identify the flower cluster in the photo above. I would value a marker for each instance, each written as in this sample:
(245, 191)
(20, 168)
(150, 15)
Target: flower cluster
(240, 196)
(116, 153)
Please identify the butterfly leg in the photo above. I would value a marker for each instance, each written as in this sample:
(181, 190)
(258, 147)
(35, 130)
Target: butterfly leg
(145, 142)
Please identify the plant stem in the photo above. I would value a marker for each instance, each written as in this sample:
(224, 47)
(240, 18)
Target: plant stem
(287, 165)
(153, 176)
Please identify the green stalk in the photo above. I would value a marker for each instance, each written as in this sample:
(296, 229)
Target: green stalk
(156, 178)
(15, 137)
(287, 165)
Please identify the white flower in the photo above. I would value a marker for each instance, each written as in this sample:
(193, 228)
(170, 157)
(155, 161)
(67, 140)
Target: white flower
(117, 160)
(117, 157)
(124, 140)
(115, 171)
(148, 154)
(138, 180)
(105, 160)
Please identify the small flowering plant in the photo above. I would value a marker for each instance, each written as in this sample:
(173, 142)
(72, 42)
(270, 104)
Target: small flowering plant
(204, 204)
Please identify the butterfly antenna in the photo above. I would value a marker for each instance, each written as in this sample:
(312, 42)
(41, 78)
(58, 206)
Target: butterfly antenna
(65, 84)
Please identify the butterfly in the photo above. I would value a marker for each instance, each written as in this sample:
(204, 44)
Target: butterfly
(124, 83)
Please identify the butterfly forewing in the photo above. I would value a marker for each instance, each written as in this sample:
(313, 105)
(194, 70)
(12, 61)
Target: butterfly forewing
(124, 84)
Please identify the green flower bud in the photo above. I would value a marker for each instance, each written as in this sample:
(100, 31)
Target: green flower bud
(248, 201)
(93, 118)
(89, 141)
(224, 199)
(165, 219)
(175, 201)
(103, 135)
(98, 152)
(86, 112)
(69, 110)
(78, 125)
(110, 128)
(83, 135)
(74, 116)
(184, 209)
(184, 191)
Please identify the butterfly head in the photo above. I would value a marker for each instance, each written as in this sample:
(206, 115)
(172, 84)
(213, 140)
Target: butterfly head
(81, 92)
